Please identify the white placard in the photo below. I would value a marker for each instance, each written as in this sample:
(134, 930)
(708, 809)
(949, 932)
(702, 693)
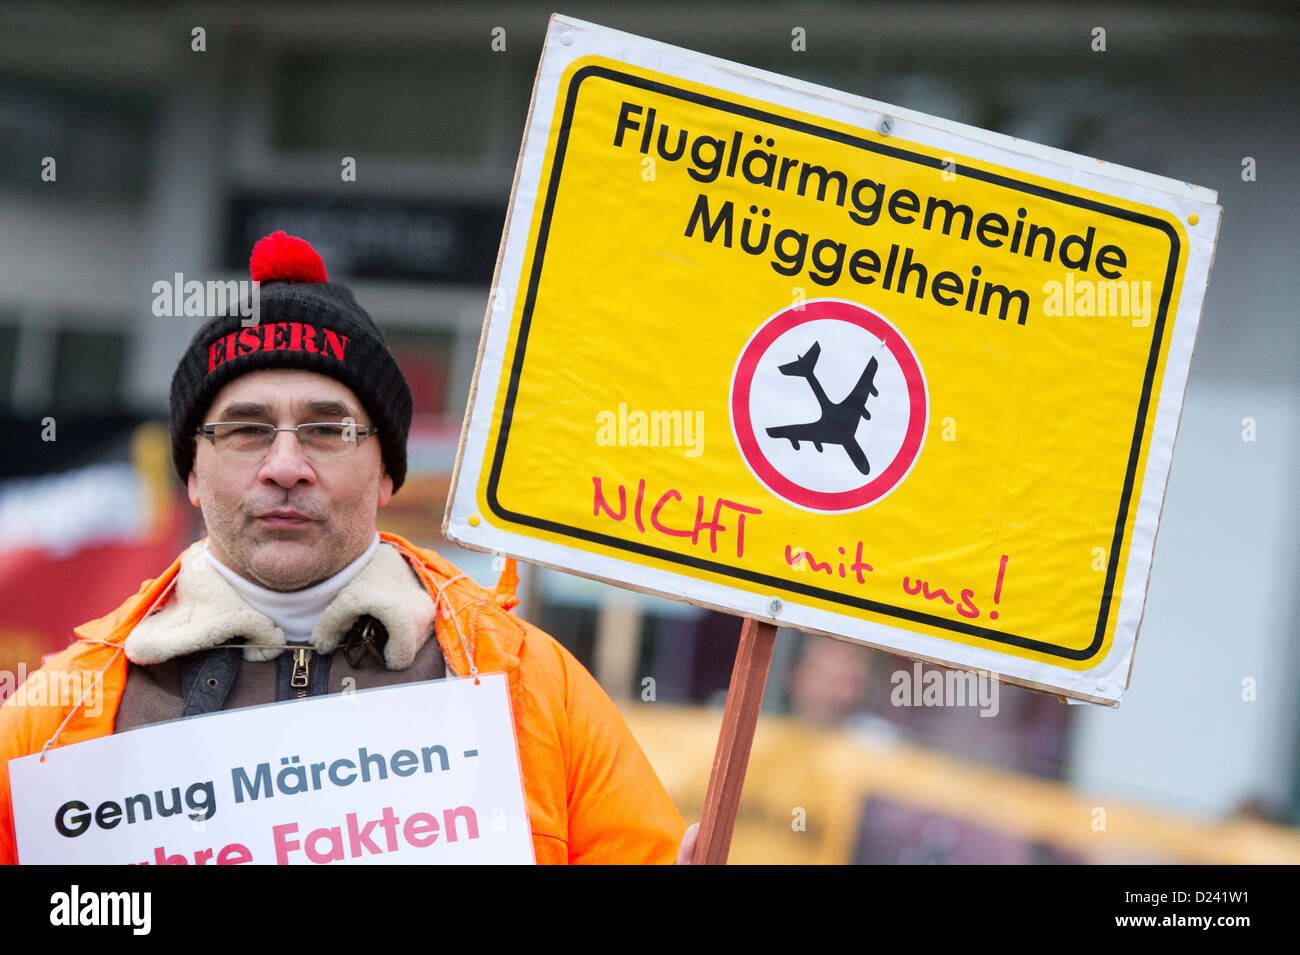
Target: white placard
(419, 773)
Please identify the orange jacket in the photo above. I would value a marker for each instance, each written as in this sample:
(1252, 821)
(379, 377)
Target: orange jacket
(591, 794)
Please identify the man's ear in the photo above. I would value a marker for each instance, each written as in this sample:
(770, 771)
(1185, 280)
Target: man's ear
(192, 484)
(385, 488)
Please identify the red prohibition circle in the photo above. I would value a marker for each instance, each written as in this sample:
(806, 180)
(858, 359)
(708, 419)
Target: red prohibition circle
(743, 427)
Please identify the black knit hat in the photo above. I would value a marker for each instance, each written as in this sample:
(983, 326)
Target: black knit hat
(304, 321)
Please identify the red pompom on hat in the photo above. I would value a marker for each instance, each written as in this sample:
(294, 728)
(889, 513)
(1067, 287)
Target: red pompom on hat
(285, 258)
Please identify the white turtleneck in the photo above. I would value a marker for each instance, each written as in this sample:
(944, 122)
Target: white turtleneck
(296, 612)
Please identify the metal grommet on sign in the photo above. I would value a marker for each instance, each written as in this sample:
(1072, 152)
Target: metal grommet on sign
(213, 682)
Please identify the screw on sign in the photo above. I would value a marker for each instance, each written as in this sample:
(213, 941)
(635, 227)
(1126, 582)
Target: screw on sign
(829, 406)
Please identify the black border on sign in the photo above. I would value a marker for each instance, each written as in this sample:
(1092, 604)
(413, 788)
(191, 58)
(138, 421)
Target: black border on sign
(725, 570)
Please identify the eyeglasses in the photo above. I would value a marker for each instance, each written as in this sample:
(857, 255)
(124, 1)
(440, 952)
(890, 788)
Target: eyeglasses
(251, 439)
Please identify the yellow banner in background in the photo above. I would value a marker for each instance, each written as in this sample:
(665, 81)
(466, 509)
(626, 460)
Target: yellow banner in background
(819, 795)
(785, 354)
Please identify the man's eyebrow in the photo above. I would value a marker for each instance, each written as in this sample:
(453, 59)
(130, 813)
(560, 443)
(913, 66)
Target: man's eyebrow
(254, 410)
(243, 411)
(336, 409)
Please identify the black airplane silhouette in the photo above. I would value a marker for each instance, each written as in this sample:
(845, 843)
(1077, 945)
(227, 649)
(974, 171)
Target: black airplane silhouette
(839, 421)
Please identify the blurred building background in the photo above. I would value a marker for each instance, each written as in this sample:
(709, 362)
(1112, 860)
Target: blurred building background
(171, 159)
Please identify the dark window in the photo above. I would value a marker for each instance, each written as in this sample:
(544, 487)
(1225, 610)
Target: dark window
(8, 359)
(88, 370)
(430, 106)
(99, 142)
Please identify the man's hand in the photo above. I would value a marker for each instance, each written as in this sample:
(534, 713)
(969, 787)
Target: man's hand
(688, 844)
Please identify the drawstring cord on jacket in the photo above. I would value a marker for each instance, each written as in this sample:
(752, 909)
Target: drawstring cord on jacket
(464, 644)
(415, 562)
(99, 677)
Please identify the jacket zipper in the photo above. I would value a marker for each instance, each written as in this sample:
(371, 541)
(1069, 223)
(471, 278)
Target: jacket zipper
(300, 679)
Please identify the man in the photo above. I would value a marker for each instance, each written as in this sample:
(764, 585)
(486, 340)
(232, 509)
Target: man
(290, 435)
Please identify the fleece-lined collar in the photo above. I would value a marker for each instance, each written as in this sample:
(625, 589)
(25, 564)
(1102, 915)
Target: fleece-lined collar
(204, 611)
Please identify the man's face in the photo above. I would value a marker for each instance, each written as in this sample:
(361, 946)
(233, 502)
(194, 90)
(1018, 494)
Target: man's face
(288, 520)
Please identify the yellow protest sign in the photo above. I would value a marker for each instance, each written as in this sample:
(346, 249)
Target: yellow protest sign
(787, 352)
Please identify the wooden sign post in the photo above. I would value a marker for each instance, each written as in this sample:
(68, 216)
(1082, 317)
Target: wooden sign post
(739, 719)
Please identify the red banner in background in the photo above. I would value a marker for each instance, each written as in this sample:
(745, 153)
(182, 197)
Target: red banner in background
(75, 545)
(43, 596)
